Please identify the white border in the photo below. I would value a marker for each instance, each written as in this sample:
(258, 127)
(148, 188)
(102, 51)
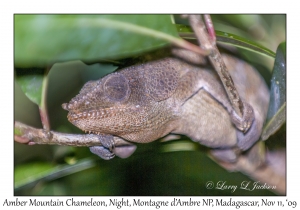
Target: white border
(8, 8)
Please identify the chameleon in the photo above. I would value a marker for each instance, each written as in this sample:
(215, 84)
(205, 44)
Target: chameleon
(144, 102)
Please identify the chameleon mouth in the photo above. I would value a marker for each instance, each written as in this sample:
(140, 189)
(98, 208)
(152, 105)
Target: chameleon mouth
(95, 114)
(87, 120)
(99, 113)
(107, 120)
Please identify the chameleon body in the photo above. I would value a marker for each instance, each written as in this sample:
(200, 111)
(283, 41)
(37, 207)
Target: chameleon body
(144, 102)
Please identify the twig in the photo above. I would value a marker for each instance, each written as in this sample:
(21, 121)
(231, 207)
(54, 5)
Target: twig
(32, 136)
(210, 28)
(216, 59)
(43, 105)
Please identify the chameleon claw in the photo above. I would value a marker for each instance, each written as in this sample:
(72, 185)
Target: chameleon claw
(102, 152)
(243, 123)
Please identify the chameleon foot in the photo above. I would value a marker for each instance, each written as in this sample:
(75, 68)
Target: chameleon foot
(106, 150)
(102, 152)
(243, 123)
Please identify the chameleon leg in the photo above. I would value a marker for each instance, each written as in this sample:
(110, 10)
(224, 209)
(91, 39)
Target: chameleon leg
(113, 146)
(226, 155)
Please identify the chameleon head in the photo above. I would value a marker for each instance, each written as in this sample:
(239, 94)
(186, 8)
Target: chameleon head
(124, 103)
(102, 106)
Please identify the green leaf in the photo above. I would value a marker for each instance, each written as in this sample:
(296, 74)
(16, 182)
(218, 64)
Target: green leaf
(31, 82)
(274, 123)
(228, 38)
(41, 40)
(276, 116)
(243, 43)
(30, 174)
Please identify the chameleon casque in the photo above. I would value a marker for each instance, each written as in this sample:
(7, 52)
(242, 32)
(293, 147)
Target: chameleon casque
(144, 102)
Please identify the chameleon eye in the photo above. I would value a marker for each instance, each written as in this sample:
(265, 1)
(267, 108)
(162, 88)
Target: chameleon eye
(116, 87)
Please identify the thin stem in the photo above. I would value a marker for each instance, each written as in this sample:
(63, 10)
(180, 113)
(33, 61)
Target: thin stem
(29, 135)
(43, 106)
(218, 63)
(210, 28)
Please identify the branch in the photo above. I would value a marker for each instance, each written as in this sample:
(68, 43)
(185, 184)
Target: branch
(210, 28)
(208, 43)
(28, 135)
(43, 105)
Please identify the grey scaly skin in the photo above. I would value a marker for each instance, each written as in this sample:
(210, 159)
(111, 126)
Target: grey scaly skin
(142, 103)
